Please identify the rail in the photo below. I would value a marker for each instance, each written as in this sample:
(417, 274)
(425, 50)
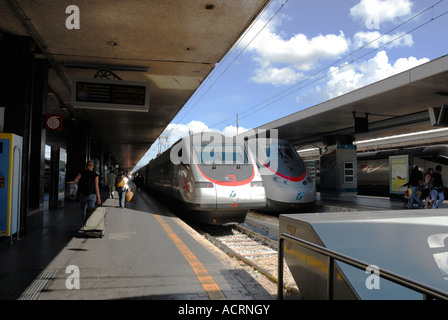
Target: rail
(427, 292)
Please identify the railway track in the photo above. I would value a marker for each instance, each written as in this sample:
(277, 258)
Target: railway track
(252, 248)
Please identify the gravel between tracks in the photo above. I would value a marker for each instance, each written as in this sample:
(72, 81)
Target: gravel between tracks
(260, 287)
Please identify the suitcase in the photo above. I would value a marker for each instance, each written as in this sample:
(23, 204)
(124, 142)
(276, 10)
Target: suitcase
(95, 224)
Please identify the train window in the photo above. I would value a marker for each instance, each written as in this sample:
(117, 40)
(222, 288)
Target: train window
(284, 152)
(221, 154)
(437, 159)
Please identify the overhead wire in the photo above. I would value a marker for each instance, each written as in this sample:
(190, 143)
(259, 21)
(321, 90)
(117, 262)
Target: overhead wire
(336, 69)
(265, 103)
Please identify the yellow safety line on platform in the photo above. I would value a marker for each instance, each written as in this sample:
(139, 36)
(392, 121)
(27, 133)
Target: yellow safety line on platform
(210, 286)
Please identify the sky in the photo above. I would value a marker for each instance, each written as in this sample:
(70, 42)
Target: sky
(298, 54)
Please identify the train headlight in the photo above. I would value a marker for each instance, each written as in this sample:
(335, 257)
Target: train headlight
(256, 184)
(277, 179)
(203, 184)
(309, 179)
(304, 182)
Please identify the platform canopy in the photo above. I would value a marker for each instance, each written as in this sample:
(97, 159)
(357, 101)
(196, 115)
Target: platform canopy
(396, 105)
(172, 44)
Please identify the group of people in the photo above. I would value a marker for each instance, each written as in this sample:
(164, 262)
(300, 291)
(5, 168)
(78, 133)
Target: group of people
(430, 186)
(89, 190)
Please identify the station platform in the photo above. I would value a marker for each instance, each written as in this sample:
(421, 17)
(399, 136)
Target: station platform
(362, 203)
(146, 253)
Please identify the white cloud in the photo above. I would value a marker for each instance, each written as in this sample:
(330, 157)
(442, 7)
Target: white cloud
(381, 11)
(298, 51)
(374, 39)
(277, 76)
(176, 131)
(297, 54)
(230, 131)
(357, 75)
(282, 60)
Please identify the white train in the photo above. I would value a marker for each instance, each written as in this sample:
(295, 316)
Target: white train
(288, 184)
(214, 179)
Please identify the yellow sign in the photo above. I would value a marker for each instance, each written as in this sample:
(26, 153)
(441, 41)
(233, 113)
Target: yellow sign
(398, 173)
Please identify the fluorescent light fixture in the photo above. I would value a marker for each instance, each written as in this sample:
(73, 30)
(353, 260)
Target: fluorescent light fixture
(402, 135)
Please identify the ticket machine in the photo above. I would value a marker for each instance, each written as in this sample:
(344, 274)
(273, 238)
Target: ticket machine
(10, 183)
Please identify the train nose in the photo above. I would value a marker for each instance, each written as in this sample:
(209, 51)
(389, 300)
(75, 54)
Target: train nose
(240, 197)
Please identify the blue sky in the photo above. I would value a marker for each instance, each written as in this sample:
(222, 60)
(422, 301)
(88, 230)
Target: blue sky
(298, 54)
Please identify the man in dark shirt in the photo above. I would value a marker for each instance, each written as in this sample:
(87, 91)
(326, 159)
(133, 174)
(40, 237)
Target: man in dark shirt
(414, 183)
(88, 189)
(437, 190)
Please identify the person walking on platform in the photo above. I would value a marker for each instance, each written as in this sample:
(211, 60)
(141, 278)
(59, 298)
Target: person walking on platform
(416, 178)
(88, 188)
(139, 181)
(122, 188)
(428, 185)
(111, 181)
(437, 191)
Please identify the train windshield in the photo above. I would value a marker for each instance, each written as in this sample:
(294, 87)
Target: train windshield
(284, 152)
(221, 154)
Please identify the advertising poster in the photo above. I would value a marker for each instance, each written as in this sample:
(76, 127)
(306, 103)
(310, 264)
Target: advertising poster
(398, 173)
(62, 171)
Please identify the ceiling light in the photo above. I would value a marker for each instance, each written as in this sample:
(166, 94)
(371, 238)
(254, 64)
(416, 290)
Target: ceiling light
(104, 66)
(113, 43)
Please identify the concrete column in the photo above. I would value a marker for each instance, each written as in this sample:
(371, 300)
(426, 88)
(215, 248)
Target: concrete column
(23, 90)
(37, 145)
(78, 148)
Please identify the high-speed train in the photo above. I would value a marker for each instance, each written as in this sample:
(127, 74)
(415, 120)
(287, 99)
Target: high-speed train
(213, 178)
(288, 184)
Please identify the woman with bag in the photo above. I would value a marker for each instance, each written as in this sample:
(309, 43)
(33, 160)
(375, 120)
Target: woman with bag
(122, 188)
